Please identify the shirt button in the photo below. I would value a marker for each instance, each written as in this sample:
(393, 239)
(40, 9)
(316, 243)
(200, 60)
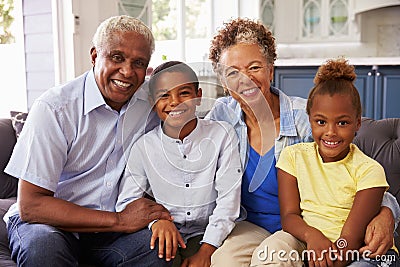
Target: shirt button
(108, 184)
(184, 156)
(188, 213)
(238, 170)
(187, 185)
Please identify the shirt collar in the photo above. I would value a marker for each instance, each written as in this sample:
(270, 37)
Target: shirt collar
(92, 96)
(287, 122)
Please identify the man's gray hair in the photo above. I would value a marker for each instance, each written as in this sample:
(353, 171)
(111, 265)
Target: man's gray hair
(121, 23)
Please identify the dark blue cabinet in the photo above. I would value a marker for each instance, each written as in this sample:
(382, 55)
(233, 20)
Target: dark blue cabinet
(379, 87)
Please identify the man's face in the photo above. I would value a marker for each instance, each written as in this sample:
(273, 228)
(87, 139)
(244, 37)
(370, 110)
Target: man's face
(120, 67)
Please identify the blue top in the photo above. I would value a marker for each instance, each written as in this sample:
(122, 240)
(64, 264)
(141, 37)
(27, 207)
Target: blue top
(261, 202)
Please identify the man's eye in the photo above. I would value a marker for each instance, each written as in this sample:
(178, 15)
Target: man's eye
(117, 58)
(342, 123)
(140, 64)
(320, 122)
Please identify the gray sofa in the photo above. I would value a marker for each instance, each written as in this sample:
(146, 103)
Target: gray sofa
(377, 138)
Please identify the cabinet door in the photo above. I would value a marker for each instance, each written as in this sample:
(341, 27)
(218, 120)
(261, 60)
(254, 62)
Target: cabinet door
(298, 81)
(295, 81)
(378, 86)
(387, 92)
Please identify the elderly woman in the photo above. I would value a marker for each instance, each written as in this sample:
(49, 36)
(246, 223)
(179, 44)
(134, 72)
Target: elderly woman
(266, 120)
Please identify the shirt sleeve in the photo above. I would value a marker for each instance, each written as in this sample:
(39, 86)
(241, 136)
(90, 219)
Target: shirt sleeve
(41, 151)
(286, 161)
(228, 185)
(390, 201)
(134, 182)
(371, 175)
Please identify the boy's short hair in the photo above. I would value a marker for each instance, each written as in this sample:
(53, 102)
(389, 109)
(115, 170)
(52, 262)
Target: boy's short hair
(173, 66)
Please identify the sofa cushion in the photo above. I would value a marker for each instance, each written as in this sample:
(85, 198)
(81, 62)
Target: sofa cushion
(8, 184)
(18, 119)
(5, 259)
(380, 140)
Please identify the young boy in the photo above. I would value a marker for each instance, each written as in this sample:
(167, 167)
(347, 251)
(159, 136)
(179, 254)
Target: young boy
(328, 189)
(189, 165)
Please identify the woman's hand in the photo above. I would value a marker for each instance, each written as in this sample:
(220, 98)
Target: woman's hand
(168, 239)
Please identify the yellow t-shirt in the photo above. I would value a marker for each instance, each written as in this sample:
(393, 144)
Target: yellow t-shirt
(327, 190)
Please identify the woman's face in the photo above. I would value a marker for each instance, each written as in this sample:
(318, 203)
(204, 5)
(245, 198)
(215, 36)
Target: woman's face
(245, 72)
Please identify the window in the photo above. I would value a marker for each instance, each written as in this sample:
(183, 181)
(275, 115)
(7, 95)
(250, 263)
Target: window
(12, 63)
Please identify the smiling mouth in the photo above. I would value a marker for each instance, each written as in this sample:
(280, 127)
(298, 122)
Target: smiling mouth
(249, 92)
(121, 84)
(330, 143)
(175, 113)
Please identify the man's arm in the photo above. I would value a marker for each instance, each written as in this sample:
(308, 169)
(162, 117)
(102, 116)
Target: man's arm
(38, 205)
(380, 231)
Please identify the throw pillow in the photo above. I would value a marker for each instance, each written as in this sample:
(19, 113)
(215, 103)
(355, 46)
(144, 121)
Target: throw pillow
(18, 120)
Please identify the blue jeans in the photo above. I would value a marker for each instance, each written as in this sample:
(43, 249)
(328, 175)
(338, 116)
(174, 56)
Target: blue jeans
(43, 245)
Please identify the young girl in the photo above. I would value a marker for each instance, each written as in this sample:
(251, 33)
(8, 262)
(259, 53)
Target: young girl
(328, 189)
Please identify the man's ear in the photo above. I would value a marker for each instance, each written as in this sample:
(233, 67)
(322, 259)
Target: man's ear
(93, 55)
(199, 96)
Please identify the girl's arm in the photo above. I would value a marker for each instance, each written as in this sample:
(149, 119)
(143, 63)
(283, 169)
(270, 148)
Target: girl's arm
(293, 223)
(365, 207)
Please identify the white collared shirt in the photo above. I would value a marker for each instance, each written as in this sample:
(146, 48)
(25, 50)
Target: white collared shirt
(198, 179)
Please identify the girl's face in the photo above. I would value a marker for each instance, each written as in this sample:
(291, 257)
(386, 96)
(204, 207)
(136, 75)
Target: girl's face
(334, 122)
(245, 72)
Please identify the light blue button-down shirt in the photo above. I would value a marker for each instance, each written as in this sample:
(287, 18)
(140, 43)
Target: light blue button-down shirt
(197, 179)
(294, 128)
(75, 145)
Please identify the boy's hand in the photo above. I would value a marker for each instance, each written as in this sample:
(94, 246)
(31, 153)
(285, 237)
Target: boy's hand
(202, 258)
(168, 238)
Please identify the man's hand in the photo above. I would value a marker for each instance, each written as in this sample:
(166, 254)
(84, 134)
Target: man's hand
(140, 213)
(379, 233)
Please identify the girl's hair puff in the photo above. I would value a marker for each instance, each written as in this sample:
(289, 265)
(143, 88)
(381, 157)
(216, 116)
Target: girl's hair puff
(336, 76)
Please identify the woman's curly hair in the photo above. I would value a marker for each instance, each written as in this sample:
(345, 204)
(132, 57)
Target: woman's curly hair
(336, 76)
(242, 30)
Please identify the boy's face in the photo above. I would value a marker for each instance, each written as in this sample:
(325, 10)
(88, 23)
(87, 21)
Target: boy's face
(334, 122)
(175, 99)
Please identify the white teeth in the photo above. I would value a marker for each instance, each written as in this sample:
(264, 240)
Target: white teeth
(175, 113)
(122, 84)
(249, 92)
(331, 143)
